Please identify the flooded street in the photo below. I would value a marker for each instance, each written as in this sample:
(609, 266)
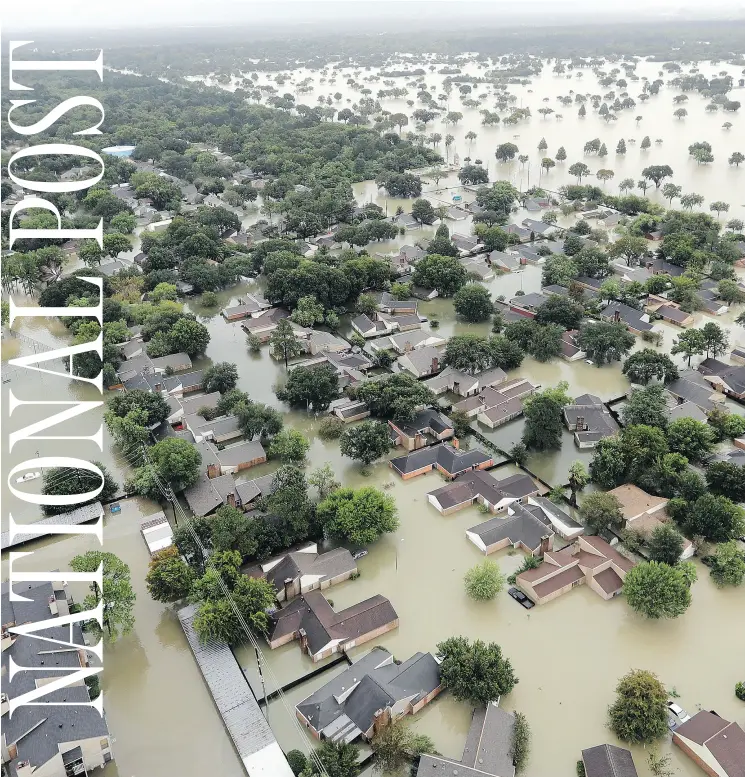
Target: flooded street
(567, 654)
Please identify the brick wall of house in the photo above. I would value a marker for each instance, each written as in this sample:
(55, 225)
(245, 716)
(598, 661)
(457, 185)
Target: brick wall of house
(694, 756)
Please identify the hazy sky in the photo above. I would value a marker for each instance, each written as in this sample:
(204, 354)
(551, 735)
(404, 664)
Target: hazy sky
(149, 14)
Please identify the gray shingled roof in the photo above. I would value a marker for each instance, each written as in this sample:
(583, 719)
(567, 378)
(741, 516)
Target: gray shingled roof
(452, 460)
(608, 761)
(379, 683)
(42, 732)
(523, 526)
(478, 483)
(232, 695)
(89, 512)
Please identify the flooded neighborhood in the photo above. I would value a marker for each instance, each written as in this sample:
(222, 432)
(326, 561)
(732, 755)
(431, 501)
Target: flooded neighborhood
(311, 456)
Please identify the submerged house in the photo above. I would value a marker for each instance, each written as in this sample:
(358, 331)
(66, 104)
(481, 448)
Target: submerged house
(372, 693)
(589, 420)
(322, 631)
(486, 753)
(644, 512)
(725, 378)
(481, 487)
(608, 761)
(714, 744)
(588, 561)
(60, 733)
(421, 362)
(446, 459)
(463, 383)
(157, 532)
(306, 570)
(428, 427)
(496, 405)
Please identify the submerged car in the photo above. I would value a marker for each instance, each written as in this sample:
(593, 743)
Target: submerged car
(680, 715)
(521, 598)
(359, 554)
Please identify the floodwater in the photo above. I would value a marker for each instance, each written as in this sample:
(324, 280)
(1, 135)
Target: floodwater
(568, 654)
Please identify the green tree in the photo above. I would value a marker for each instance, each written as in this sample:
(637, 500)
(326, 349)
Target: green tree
(365, 442)
(484, 581)
(284, 343)
(658, 590)
(395, 745)
(665, 544)
(647, 364)
(444, 273)
(605, 341)
(396, 396)
(543, 424)
(728, 564)
(639, 713)
(423, 211)
(169, 577)
(117, 593)
(690, 343)
(579, 170)
(520, 744)
(473, 303)
(506, 152)
(66, 481)
(221, 377)
(692, 439)
(324, 480)
(726, 479)
(358, 517)
(715, 339)
(289, 445)
(313, 388)
(188, 336)
(337, 759)
(578, 479)
(601, 511)
(657, 173)
(713, 517)
(176, 462)
(233, 530)
(647, 406)
(297, 761)
(163, 291)
(308, 312)
(560, 310)
(628, 247)
(476, 672)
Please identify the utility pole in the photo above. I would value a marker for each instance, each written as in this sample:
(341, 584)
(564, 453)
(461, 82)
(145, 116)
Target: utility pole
(263, 686)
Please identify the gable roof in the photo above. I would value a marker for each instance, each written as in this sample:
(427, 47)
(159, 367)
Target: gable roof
(450, 459)
(522, 526)
(309, 562)
(608, 761)
(469, 485)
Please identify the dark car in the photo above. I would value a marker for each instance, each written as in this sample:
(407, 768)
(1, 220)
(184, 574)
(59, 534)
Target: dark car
(520, 597)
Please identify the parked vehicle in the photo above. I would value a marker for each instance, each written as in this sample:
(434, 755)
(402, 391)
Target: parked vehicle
(680, 715)
(28, 476)
(359, 554)
(521, 598)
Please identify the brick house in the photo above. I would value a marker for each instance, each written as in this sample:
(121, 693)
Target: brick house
(713, 743)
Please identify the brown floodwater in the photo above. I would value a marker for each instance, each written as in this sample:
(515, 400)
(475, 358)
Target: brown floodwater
(567, 654)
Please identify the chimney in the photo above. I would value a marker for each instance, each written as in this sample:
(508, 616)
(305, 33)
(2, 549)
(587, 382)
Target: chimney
(380, 720)
(435, 364)
(579, 426)
(231, 499)
(545, 545)
(213, 471)
(303, 642)
(289, 592)
(617, 316)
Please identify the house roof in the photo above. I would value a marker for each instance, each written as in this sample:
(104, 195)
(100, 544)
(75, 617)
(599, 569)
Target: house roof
(469, 485)
(692, 386)
(249, 490)
(207, 494)
(673, 313)
(486, 750)
(242, 452)
(608, 761)
(42, 732)
(305, 562)
(630, 316)
(377, 682)
(267, 319)
(594, 416)
(734, 377)
(521, 526)
(452, 460)
(312, 613)
(702, 727)
(422, 360)
(634, 501)
(192, 405)
(424, 421)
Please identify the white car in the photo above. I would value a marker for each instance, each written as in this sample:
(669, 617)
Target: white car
(678, 712)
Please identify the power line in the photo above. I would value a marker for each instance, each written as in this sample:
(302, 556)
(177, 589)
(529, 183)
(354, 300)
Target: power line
(169, 495)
